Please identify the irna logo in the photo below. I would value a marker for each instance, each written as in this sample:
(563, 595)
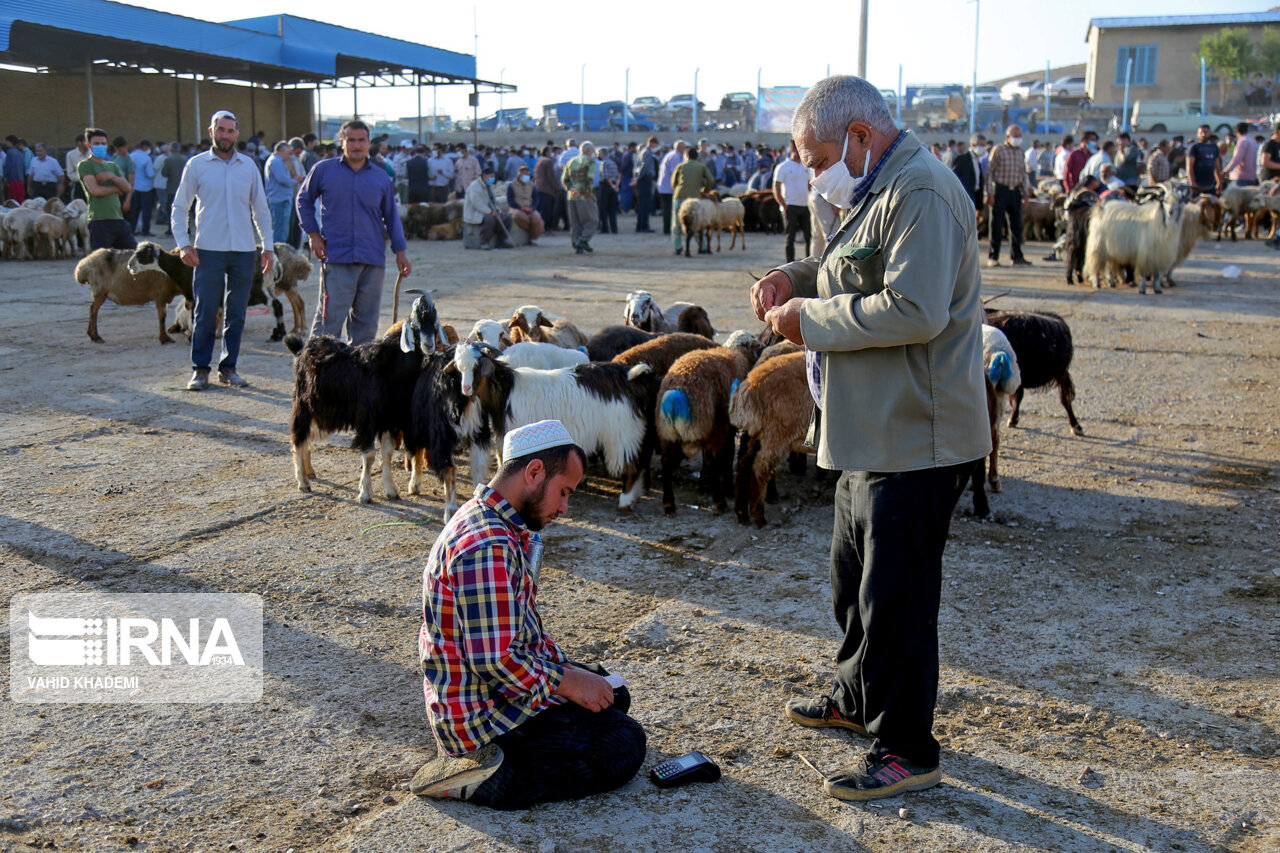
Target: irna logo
(75, 641)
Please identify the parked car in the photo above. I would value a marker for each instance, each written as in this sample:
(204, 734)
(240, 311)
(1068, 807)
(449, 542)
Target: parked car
(647, 102)
(890, 98)
(1016, 89)
(987, 96)
(1071, 86)
(683, 102)
(737, 100)
(934, 97)
(1176, 117)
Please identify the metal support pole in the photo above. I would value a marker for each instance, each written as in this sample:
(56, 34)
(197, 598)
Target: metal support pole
(582, 99)
(626, 99)
(973, 93)
(253, 108)
(475, 115)
(1203, 80)
(88, 86)
(435, 119)
(195, 86)
(420, 139)
(1128, 75)
(500, 75)
(177, 109)
(284, 124)
(695, 99)
(899, 96)
(862, 41)
(759, 91)
(355, 97)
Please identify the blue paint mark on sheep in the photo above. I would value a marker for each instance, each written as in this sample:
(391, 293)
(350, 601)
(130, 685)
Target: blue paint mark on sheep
(675, 406)
(1000, 370)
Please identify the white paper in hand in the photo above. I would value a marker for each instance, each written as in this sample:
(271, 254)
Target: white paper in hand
(616, 681)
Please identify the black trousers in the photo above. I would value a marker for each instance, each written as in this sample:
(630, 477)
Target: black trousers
(643, 202)
(607, 207)
(1007, 204)
(44, 189)
(565, 752)
(664, 200)
(886, 581)
(797, 217)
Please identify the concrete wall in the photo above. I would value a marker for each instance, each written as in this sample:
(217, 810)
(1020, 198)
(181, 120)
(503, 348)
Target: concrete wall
(1177, 69)
(53, 108)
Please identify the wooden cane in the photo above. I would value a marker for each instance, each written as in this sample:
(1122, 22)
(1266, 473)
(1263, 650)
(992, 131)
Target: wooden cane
(395, 302)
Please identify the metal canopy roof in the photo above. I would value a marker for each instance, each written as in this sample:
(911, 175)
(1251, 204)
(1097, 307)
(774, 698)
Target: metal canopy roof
(279, 50)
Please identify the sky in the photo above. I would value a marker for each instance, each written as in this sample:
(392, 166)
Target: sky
(933, 40)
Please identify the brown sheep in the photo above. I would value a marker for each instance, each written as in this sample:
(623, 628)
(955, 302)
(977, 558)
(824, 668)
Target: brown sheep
(107, 275)
(528, 323)
(449, 231)
(50, 235)
(693, 414)
(773, 408)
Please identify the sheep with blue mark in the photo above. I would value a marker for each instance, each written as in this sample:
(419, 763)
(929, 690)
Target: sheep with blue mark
(1001, 366)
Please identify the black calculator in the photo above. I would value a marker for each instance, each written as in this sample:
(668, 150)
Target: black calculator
(694, 767)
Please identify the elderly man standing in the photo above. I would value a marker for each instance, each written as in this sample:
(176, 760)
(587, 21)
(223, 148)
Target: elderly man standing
(281, 182)
(578, 179)
(516, 722)
(891, 320)
(644, 173)
(45, 175)
(231, 206)
(359, 204)
(1006, 182)
(666, 192)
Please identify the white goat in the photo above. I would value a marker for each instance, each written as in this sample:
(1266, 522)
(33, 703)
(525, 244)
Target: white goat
(492, 333)
(542, 356)
(529, 323)
(1145, 237)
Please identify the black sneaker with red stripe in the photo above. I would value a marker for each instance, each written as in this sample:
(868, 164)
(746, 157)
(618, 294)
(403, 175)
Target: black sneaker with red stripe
(821, 713)
(873, 778)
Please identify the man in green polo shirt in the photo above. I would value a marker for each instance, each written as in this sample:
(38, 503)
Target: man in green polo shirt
(104, 184)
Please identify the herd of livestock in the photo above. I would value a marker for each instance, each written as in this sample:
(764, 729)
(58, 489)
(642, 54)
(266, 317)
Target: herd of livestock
(658, 381)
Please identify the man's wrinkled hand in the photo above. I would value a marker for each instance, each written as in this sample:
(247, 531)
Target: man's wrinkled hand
(585, 688)
(769, 292)
(785, 320)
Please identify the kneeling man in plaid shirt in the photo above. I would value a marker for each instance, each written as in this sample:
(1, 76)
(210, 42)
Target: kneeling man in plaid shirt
(516, 722)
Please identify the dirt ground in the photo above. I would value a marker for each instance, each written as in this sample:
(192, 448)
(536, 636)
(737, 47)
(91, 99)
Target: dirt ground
(1110, 640)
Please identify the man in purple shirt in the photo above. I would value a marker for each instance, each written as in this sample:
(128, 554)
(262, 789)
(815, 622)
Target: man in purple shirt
(357, 212)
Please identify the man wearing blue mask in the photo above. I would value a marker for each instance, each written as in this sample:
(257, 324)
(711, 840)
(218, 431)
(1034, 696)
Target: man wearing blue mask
(104, 186)
(479, 207)
(891, 319)
(358, 201)
(522, 201)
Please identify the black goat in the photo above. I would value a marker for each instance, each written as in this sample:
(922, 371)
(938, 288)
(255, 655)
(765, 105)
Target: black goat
(365, 389)
(1078, 210)
(1042, 343)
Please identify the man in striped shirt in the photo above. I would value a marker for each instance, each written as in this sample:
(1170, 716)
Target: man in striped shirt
(516, 721)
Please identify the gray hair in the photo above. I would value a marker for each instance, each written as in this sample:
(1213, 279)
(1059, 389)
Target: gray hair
(833, 103)
(585, 145)
(297, 142)
(280, 146)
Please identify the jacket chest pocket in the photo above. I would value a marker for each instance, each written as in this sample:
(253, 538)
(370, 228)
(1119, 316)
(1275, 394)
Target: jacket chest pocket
(850, 275)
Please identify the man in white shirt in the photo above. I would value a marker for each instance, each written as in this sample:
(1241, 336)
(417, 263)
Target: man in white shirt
(74, 156)
(1093, 166)
(440, 168)
(791, 190)
(570, 151)
(1060, 158)
(231, 204)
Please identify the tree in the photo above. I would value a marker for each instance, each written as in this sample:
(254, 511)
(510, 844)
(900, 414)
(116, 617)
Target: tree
(1229, 55)
(1267, 54)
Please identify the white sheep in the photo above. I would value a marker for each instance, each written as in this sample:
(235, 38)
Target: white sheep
(19, 232)
(542, 356)
(1145, 237)
(1001, 366)
(642, 312)
(492, 333)
(50, 235)
(696, 216)
(729, 216)
(1237, 202)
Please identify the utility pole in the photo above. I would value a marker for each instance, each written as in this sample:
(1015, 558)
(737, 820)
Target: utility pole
(862, 42)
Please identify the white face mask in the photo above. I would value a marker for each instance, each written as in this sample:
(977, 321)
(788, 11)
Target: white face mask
(1015, 141)
(979, 150)
(836, 184)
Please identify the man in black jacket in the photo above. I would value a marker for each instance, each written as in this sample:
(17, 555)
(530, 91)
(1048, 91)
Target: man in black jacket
(967, 169)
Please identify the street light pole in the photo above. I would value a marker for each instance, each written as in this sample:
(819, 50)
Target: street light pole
(973, 93)
(1128, 75)
(695, 99)
(862, 41)
(500, 74)
(626, 99)
(582, 100)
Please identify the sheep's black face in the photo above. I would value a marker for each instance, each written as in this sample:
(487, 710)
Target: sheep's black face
(146, 256)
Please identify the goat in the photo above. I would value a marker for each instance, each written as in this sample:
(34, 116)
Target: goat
(693, 414)
(1042, 344)
(1037, 219)
(1078, 210)
(1199, 219)
(607, 343)
(1237, 204)
(1143, 236)
(440, 418)
(601, 404)
(106, 272)
(642, 311)
(528, 323)
(364, 389)
(19, 232)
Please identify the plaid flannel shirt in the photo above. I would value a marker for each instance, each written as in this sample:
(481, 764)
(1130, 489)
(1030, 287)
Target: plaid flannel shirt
(1007, 168)
(487, 664)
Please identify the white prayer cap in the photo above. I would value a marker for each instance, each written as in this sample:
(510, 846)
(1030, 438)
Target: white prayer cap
(540, 435)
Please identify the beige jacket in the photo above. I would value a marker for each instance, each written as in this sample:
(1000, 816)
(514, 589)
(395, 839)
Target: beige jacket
(897, 321)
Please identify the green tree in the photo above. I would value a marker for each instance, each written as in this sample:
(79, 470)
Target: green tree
(1267, 54)
(1229, 56)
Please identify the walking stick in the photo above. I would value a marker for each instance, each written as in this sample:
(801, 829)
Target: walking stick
(395, 302)
(324, 295)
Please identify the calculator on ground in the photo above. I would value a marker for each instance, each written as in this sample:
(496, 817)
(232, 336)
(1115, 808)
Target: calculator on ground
(694, 767)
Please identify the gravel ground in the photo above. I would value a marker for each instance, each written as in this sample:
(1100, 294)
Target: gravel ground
(1109, 640)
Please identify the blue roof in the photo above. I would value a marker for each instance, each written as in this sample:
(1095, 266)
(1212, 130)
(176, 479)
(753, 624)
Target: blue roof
(278, 49)
(1224, 19)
